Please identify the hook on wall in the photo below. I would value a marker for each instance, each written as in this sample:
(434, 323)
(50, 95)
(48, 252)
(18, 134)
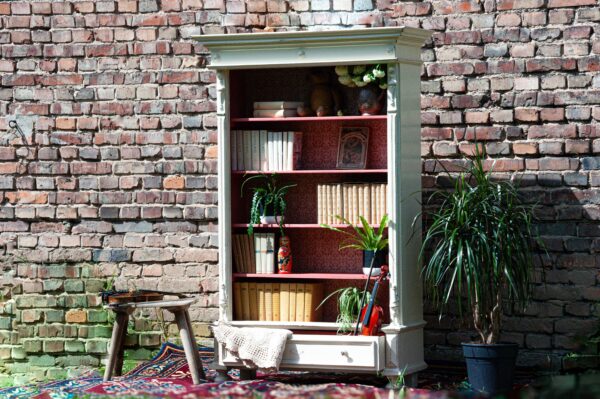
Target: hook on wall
(14, 125)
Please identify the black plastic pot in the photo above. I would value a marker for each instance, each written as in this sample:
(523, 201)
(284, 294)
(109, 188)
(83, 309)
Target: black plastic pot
(491, 368)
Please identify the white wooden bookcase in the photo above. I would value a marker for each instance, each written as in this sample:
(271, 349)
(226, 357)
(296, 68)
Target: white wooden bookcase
(400, 349)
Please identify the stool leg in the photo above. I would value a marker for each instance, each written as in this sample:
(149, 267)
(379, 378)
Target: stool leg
(189, 345)
(194, 345)
(117, 338)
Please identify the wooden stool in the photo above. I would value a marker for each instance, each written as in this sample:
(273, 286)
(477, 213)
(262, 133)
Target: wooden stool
(179, 307)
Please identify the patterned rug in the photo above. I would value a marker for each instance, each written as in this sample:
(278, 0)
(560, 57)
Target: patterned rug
(167, 376)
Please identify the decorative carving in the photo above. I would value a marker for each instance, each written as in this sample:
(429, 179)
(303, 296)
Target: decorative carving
(222, 77)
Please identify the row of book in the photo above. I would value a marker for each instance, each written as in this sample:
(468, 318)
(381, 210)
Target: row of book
(255, 253)
(276, 109)
(351, 200)
(277, 301)
(265, 151)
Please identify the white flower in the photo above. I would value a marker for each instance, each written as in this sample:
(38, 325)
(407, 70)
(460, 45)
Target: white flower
(367, 78)
(341, 70)
(361, 84)
(378, 73)
(359, 69)
(383, 86)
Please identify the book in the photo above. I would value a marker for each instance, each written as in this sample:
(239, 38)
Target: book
(247, 140)
(297, 151)
(292, 302)
(360, 205)
(278, 146)
(354, 203)
(339, 206)
(269, 301)
(269, 253)
(373, 202)
(260, 292)
(238, 259)
(284, 151)
(274, 113)
(258, 251)
(276, 294)
(299, 302)
(237, 301)
(239, 154)
(255, 150)
(246, 302)
(284, 302)
(271, 151)
(313, 296)
(252, 294)
(264, 150)
(346, 201)
(320, 203)
(328, 218)
(259, 105)
(234, 160)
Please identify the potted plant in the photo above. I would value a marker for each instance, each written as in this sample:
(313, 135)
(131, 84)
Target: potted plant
(268, 201)
(365, 238)
(372, 81)
(349, 306)
(481, 240)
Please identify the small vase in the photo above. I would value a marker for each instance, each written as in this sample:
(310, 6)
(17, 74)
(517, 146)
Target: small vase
(284, 256)
(370, 100)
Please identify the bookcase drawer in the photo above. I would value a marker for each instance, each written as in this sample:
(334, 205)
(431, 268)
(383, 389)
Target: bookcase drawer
(327, 353)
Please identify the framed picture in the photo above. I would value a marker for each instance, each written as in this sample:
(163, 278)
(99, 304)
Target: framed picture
(352, 149)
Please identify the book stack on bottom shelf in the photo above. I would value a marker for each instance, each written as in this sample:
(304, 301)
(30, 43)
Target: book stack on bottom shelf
(277, 302)
(351, 200)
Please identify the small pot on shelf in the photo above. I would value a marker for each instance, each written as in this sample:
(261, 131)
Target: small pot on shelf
(284, 256)
(379, 261)
(271, 219)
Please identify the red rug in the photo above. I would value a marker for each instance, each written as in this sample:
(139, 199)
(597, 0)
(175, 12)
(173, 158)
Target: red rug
(167, 376)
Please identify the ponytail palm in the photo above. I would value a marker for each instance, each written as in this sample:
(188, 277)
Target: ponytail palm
(482, 248)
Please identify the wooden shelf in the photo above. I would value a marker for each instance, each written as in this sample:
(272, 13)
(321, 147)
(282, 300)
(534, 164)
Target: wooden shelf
(311, 172)
(307, 276)
(293, 226)
(312, 119)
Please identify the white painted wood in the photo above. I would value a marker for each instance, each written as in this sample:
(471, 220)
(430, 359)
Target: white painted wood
(326, 353)
(351, 46)
(401, 349)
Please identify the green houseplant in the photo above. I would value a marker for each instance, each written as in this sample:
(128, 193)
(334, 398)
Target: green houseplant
(268, 203)
(366, 238)
(349, 306)
(481, 240)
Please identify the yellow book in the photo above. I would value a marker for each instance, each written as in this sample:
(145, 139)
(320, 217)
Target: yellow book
(245, 296)
(366, 203)
(361, 205)
(276, 301)
(345, 201)
(284, 307)
(237, 301)
(372, 204)
(292, 308)
(313, 296)
(260, 293)
(328, 203)
(339, 211)
(268, 301)
(320, 203)
(354, 218)
(382, 201)
(299, 302)
(253, 301)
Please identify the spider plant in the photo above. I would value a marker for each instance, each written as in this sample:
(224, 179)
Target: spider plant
(363, 237)
(268, 200)
(482, 244)
(349, 306)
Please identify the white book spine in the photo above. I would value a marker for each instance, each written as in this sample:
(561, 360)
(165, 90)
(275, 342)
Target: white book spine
(278, 145)
(264, 150)
(284, 154)
(270, 253)
(290, 151)
(255, 150)
(270, 147)
(257, 252)
(247, 140)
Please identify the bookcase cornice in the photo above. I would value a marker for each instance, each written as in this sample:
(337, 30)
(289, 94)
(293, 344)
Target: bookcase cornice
(313, 48)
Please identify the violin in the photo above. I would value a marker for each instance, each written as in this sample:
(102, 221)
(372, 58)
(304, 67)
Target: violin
(371, 315)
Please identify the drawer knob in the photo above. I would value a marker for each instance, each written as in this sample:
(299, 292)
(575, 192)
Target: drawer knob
(345, 353)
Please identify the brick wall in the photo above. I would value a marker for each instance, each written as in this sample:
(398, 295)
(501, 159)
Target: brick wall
(117, 163)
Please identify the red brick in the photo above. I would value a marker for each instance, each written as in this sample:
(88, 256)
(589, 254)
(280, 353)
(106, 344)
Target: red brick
(20, 8)
(4, 8)
(178, 77)
(60, 80)
(504, 5)
(65, 123)
(84, 7)
(570, 3)
(552, 131)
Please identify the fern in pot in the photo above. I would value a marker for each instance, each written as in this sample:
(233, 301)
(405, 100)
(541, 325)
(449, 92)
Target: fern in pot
(268, 203)
(481, 240)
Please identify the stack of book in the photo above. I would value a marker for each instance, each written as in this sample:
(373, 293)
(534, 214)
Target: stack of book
(265, 151)
(350, 201)
(277, 302)
(254, 254)
(276, 109)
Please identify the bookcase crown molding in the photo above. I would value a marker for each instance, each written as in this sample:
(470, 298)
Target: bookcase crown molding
(313, 48)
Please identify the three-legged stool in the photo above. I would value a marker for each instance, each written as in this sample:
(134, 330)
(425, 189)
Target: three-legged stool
(179, 307)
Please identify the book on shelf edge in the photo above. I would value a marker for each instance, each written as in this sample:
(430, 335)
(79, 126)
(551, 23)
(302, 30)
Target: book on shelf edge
(274, 113)
(247, 140)
(246, 302)
(284, 308)
(292, 302)
(268, 301)
(253, 301)
(299, 302)
(313, 296)
(269, 255)
(264, 150)
(237, 302)
(273, 105)
(276, 302)
(284, 152)
(260, 293)
(271, 151)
